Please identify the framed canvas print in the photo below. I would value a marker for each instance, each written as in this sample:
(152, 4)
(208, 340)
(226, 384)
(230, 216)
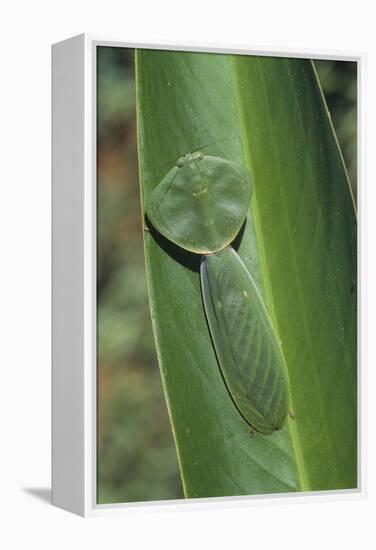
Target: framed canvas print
(205, 296)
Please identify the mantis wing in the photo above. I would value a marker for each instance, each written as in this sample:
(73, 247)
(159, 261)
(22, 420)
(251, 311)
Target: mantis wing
(247, 348)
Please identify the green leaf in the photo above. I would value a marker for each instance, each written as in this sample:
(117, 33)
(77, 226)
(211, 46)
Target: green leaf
(299, 245)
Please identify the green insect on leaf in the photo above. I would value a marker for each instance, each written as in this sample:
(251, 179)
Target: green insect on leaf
(200, 205)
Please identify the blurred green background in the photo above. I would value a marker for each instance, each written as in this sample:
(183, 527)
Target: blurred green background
(136, 455)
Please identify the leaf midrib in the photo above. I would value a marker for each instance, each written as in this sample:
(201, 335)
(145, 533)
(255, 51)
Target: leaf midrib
(296, 445)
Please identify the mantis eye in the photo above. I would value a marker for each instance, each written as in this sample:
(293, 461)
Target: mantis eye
(198, 156)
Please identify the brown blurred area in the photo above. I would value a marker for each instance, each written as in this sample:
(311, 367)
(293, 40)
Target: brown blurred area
(136, 455)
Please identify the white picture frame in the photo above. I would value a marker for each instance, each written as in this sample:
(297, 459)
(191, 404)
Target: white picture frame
(74, 278)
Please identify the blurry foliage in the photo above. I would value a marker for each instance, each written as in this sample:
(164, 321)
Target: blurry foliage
(339, 82)
(136, 454)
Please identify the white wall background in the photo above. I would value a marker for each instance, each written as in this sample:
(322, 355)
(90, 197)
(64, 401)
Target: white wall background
(27, 30)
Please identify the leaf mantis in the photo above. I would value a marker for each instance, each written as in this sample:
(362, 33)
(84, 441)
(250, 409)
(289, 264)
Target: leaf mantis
(201, 205)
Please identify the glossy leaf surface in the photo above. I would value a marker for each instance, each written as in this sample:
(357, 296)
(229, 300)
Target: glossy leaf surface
(298, 243)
